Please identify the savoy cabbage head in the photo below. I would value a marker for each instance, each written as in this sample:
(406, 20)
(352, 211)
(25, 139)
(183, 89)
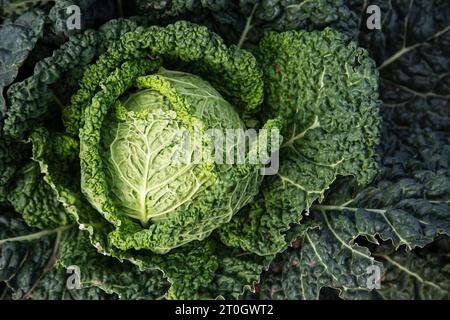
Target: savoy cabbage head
(156, 163)
(112, 154)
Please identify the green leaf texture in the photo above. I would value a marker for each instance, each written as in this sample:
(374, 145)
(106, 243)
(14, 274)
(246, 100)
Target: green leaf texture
(17, 39)
(30, 101)
(246, 21)
(407, 205)
(421, 275)
(26, 254)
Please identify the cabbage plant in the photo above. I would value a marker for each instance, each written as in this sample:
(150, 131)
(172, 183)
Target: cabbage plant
(115, 147)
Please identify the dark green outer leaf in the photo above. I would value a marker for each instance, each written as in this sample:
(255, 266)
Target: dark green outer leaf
(423, 274)
(408, 204)
(26, 254)
(412, 53)
(30, 100)
(17, 39)
(28, 270)
(53, 287)
(12, 155)
(316, 144)
(124, 280)
(11, 8)
(244, 22)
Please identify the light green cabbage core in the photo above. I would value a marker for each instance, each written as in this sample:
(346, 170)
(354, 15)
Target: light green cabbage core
(154, 162)
(142, 170)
